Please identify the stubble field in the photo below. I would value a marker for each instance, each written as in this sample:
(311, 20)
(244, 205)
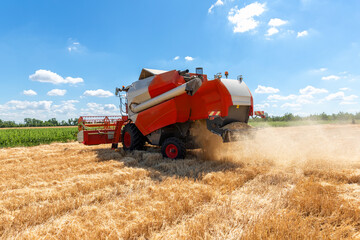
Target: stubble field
(284, 183)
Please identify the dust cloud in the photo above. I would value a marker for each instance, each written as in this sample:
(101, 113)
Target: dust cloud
(325, 146)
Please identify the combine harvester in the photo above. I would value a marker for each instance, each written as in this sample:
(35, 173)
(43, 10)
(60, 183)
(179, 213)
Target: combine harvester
(162, 106)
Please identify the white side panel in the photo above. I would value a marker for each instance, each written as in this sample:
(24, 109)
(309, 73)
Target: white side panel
(158, 99)
(239, 92)
(146, 72)
(133, 117)
(154, 71)
(139, 91)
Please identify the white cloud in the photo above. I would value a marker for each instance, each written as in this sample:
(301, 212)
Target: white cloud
(74, 46)
(218, 3)
(243, 18)
(302, 34)
(310, 90)
(72, 80)
(306, 96)
(291, 105)
(71, 101)
(344, 89)
(94, 109)
(110, 107)
(211, 8)
(67, 107)
(272, 31)
(98, 93)
(18, 110)
(94, 105)
(305, 99)
(348, 103)
(262, 106)
(318, 70)
(351, 77)
(176, 58)
(276, 22)
(263, 89)
(57, 92)
(46, 76)
(26, 105)
(350, 98)
(29, 92)
(340, 96)
(188, 58)
(331, 77)
(281, 98)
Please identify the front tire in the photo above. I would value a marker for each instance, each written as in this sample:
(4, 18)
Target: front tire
(132, 138)
(173, 148)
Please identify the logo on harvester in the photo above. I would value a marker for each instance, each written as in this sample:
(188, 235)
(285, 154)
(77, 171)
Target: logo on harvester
(213, 114)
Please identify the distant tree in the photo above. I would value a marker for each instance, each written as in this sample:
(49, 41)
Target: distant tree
(288, 117)
(73, 122)
(324, 116)
(54, 122)
(27, 122)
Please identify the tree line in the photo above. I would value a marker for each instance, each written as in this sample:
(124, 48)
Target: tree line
(32, 122)
(287, 117)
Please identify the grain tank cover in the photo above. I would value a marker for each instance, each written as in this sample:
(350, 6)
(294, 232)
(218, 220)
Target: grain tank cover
(239, 91)
(146, 72)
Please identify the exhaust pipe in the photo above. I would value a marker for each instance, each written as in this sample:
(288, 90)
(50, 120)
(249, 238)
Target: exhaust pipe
(190, 88)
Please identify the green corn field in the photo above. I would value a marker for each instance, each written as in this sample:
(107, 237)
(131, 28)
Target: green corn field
(37, 136)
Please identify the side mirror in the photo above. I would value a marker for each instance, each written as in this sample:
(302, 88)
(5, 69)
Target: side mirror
(117, 90)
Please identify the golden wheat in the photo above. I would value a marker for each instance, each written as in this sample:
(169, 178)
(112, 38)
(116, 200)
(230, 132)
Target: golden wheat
(283, 183)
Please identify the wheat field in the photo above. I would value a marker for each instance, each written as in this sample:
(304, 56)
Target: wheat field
(281, 183)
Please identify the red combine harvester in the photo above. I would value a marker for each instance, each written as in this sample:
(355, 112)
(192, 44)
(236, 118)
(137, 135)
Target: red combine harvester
(162, 106)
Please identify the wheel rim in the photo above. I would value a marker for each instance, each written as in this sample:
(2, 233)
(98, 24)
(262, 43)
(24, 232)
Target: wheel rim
(127, 139)
(171, 151)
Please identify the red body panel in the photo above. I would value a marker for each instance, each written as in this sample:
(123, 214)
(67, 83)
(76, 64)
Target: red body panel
(96, 137)
(251, 111)
(212, 96)
(169, 112)
(165, 82)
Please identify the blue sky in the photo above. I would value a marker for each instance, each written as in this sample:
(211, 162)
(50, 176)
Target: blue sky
(64, 58)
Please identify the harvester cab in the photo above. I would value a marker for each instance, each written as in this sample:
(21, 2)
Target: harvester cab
(161, 107)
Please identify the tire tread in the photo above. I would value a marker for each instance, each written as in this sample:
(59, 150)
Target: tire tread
(137, 139)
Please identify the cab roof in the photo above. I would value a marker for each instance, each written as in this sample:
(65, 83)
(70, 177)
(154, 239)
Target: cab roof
(146, 72)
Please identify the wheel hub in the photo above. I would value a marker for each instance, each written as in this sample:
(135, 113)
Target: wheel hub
(171, 151)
